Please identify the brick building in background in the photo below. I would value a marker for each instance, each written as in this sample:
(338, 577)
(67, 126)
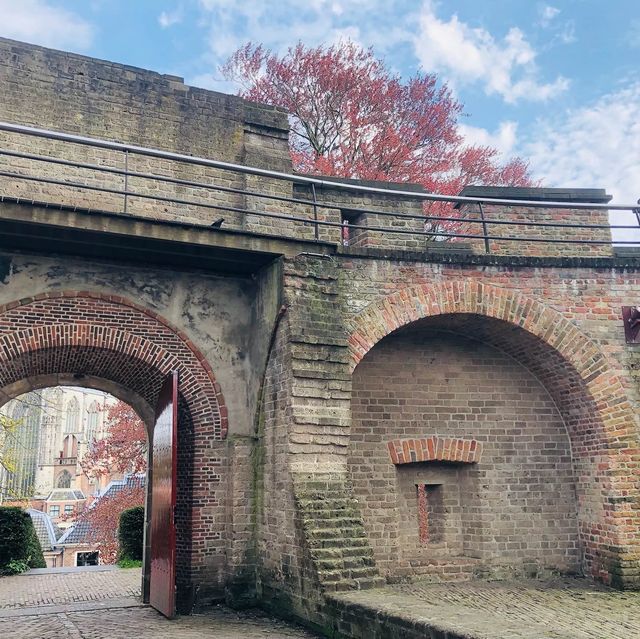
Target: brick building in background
(393, 409)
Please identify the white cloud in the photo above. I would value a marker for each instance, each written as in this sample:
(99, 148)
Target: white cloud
(597, 146)
(279, 25)
(469, 55)
(547, 13)
(567, 34)
(503, 138)
(41, 22)
(167, 19)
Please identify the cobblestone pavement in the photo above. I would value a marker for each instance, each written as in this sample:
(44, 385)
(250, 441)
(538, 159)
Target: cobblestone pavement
(146, 623)
(49, 588)
(105, 605)
(559, 609)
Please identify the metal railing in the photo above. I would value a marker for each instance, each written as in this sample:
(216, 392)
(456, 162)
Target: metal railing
(458, 223)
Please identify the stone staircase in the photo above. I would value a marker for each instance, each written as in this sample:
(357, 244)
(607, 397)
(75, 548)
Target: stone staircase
(335, 536)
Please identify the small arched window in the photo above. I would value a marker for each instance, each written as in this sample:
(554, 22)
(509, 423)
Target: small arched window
(64, 480)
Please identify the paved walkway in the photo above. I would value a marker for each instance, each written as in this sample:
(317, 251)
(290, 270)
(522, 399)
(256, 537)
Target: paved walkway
(560, 609)
(104, 604)
(68, 586)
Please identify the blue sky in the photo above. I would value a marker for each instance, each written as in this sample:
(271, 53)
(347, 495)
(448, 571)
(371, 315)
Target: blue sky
(557, 82)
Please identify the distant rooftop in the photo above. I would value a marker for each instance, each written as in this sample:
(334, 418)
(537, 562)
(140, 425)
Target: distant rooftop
(79, 533)
(48, 532)
(66, 494)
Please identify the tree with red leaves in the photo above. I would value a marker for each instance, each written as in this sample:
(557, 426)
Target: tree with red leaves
(101, 519)
(123, 450)
(351, 117)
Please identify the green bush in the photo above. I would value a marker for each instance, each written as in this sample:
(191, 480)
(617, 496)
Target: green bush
(19, 545)
(131, 533)
(129, 563)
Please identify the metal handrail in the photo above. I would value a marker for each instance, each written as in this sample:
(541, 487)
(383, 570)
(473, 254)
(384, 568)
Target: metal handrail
(227, 189)
(314, 204)
(297, 178)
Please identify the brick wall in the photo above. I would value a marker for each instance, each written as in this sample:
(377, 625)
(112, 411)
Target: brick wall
(514, 508)
(95, 98)
(557, 225)
(75, 94)
(564, 324)
(548, 394)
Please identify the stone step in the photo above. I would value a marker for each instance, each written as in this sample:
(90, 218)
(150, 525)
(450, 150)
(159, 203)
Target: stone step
(310, 500)
(366, 572)
(322, 523)
(340, 542)
(342, 551)
(345, 563)
(328, 576)
(359, 562)
(335, 534)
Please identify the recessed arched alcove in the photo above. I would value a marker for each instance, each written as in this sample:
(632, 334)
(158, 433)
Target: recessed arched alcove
(579, 377)
(449, 381)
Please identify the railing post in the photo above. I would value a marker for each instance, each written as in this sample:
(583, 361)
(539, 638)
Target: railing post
(126, 179)
(316, 231)
(485, 234)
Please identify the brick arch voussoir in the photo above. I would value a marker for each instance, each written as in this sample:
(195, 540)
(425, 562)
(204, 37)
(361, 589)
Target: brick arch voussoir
(547, 324)
(197, 378)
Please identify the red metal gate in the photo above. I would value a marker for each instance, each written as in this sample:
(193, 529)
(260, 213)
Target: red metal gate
(162, 593)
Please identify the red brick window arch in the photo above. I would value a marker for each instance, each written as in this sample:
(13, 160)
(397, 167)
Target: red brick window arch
(434, 448)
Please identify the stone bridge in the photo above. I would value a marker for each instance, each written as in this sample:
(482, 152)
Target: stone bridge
(383, 408)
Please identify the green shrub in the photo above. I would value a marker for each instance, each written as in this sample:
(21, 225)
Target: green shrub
(129, 563)
(19, 545)
(131, 534)
(15, 568)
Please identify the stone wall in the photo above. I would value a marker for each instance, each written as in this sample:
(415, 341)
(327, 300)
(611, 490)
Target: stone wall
(94, 98)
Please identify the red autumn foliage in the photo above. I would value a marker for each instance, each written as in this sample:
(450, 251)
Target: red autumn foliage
(351, 117)
(102, 520)
(123, 450)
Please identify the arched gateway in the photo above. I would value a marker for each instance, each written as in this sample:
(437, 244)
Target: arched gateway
(112, 344)
(565, 413)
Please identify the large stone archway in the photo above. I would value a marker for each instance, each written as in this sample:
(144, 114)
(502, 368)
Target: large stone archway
(111, 343)
(577, 375)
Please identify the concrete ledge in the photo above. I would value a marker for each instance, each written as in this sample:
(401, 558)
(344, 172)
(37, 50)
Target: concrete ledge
(630, 262)
(526, 609)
